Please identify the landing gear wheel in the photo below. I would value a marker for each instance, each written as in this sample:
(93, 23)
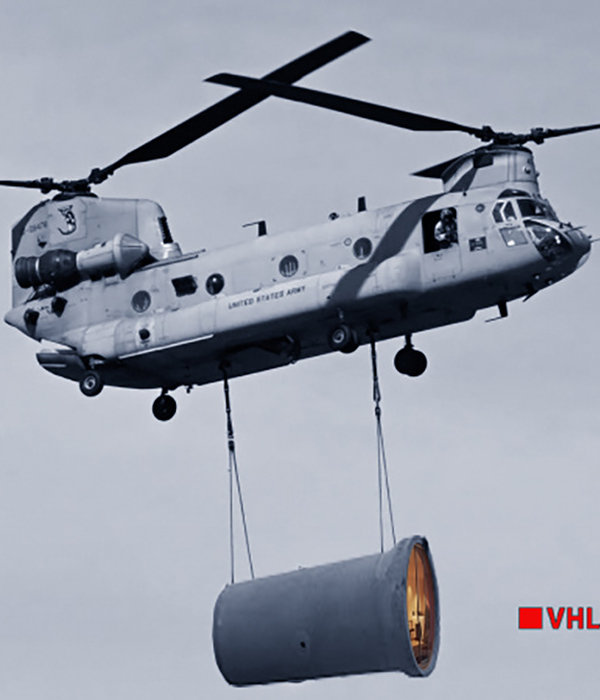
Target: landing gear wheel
(343, 338)
(410, 361)
(91, 383)
(164, 407)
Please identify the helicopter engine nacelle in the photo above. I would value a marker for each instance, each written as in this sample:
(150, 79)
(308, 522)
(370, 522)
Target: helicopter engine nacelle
(63, 269)
(56, 267)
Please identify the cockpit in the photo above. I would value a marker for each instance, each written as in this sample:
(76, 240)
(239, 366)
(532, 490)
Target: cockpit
(522, 217)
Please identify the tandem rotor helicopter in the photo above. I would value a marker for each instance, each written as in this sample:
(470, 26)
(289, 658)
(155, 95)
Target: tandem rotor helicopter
(104, 279)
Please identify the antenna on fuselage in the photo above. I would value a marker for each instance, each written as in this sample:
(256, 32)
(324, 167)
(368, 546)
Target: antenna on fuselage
(262, 226)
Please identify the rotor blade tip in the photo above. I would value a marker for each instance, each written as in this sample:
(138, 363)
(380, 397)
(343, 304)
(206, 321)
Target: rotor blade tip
(358, 36)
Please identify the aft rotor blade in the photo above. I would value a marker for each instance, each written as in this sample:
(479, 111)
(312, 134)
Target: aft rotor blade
(33, 184)
(45, 184)
(208, 119)
(347, 105)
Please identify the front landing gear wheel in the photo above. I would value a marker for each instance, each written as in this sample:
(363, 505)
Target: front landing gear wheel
(343, 338)
(410, 361)
(164, 407)
(91, 383)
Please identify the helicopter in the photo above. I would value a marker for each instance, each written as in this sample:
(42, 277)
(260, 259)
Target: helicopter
(104, 279)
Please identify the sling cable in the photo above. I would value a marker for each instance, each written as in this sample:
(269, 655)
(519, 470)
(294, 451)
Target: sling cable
(382, 470)
(234, 475)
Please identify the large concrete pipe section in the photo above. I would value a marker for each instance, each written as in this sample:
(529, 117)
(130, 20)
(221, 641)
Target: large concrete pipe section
(374, 613)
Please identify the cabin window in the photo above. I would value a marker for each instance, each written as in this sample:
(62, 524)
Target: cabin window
(288, 266)
(184, 285)
(215, 283)
(362, 248)
(140, 301)
(440, 230)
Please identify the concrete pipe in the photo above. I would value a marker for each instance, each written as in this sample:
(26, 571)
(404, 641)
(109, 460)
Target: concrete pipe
(374, 613)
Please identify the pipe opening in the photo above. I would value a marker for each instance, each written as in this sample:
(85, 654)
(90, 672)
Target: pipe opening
(421, 605)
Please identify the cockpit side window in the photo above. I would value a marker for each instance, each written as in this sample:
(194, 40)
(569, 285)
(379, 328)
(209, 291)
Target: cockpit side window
(509, 212)
(513, 235)
(549, 241)
(504, 211)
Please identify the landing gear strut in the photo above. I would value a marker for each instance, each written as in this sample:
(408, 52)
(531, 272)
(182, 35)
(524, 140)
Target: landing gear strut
(410, 361)
(164, 407)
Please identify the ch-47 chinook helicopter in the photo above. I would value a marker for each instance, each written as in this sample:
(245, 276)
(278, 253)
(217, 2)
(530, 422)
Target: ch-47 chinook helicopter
(104, 279)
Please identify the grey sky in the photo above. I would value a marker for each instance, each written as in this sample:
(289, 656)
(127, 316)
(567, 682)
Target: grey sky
(113, 527)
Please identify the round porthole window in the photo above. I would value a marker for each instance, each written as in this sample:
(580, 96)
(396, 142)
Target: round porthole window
(140, 301)
(362, 248)
(215, 283)
(288, 266)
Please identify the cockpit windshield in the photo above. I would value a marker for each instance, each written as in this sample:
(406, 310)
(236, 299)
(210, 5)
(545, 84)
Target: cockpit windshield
(535, 207)
(506, 209)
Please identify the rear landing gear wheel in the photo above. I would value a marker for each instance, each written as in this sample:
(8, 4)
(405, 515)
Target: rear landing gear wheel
(343, 338)
(91, 383)
(164, 407)
(410, 361)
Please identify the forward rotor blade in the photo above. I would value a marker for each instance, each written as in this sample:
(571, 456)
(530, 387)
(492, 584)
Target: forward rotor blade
(347, 105)
(208, 119)
(540, 135)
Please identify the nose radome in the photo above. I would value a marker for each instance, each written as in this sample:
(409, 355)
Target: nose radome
(580, 241)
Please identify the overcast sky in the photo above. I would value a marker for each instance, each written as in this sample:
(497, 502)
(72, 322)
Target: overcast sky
(113, 527)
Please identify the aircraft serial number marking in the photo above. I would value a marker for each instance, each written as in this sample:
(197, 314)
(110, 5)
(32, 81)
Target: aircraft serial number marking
(262, 298)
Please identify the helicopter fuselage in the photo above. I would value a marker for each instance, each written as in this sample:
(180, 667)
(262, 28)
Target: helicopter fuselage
(179, 319)
(104, 280)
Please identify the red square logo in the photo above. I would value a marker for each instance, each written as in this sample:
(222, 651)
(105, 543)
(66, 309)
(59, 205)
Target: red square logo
(530, 618)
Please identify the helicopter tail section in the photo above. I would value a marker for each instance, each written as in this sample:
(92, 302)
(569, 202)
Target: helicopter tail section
(62, 242)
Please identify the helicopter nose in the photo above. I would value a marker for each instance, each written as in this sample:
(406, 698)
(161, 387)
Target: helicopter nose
(581, 244)
(583, 259)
